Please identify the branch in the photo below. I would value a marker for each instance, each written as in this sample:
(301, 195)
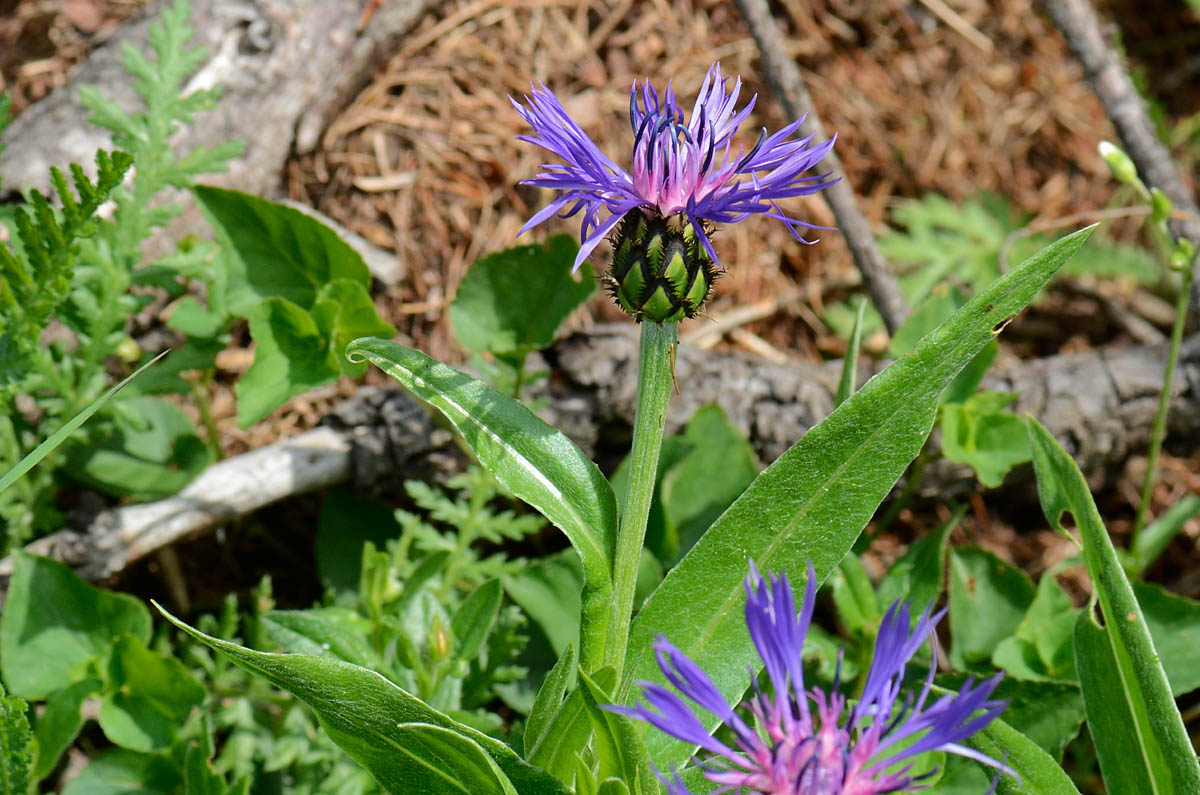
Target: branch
(1109, 79)
(382, 437)
(286, 68)
(784, 78)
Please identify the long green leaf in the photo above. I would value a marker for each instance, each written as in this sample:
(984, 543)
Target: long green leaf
(849, 379)
(1135, 687)
(1113, 728)
(366, 714)
(813, 502)
(1038, 771)
(615, 740)
(549, 698)
(529, 458)
(455, 763)
(58, 437)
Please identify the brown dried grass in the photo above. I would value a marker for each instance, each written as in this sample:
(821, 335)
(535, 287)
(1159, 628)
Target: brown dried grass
(424, 161)
(40, 40)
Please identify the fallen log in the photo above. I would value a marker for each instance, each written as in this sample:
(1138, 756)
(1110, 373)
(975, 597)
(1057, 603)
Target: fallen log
(285, 68)
(1100, 404)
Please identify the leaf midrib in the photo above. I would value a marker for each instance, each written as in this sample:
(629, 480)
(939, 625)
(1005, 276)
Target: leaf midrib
(582, 526)
(710, 628)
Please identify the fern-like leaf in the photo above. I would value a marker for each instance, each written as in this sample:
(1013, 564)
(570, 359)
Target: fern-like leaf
(160, 82)
(36, 273)
(16, 746)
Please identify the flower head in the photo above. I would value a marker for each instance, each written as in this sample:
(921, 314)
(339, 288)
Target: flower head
(680, 166)
(798, 741)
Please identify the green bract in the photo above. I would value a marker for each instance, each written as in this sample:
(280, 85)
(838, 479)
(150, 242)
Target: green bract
(660, 270)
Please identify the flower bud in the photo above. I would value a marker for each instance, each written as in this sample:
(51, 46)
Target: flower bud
(661, 271)
(440, 640)
(1120, 165)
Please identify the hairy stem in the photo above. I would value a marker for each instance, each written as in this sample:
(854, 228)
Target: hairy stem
(655, 381)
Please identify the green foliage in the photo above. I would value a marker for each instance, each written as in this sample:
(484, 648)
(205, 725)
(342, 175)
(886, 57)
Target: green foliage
(960, 244)
(52, 442)
(61, 723)
(620, 753)
(122, 772)
(1036, 769)
(947, 251)
(5, 113)
(1174, 624)
(425, 605)
(265, 737)
(1140, 736)
(64, 641)
(1154, 539)
(160, 83)
(156, 694)
(1041, 646)
(940, 244)
(512, 302)
(36, 273)
(305, 291)
(16, 746)
(980, 432)
(917, 576)
(74, 267)
(473, 519)
(548, 590)
(150, 450)
(977, 429)
(55, 626)
(380, 724)
(701, 471)
(813, 502)
(983, 584)
(532, 460)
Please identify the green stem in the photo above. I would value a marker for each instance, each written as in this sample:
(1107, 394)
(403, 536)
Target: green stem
(916, 472)
(1164, 405)
(518, 377)
(655, 382)
(202, 391)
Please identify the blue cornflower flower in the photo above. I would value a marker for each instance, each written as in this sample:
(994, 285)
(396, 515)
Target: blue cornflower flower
(682, 168)
(805, 741)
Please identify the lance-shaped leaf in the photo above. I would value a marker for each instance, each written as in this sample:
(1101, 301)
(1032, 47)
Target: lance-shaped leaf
(529, 458)
(1037, 770)
(812, 503)
(454, 763)
(380, 725)
(1140, 736)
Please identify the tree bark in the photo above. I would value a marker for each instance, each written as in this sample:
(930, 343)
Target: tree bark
(787, 83)
(285, 67)
(1099, 403)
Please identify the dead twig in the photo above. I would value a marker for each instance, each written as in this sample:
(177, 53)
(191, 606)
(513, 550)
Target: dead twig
(784, 78)
(960, 26)
(1110, 80)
